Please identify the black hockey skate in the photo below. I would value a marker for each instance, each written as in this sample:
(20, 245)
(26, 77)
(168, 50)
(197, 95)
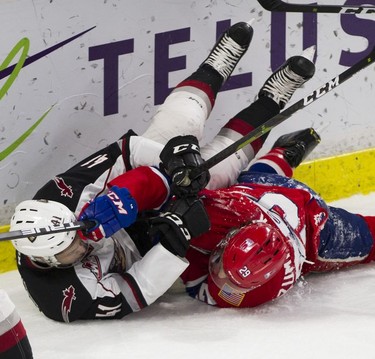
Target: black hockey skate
(230, 48)
(297, 145)
(281, 85)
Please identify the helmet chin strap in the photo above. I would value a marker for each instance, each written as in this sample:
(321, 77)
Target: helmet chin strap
(49, 261)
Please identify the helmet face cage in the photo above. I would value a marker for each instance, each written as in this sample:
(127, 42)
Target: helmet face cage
(218, 274)
(248, 257)
(42, 213)
(216, 267)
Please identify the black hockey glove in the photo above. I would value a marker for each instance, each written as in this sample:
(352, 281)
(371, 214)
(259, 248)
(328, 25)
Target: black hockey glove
(186, 218)
(178, 158)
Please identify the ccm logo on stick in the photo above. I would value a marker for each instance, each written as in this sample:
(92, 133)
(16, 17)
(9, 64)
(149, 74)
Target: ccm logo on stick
(321, 91)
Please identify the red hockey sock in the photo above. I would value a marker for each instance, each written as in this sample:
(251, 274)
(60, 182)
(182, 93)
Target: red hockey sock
(241, 127)
(273, 162)
(370, 220)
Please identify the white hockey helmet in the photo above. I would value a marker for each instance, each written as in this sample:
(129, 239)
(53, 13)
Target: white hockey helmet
(42, 213)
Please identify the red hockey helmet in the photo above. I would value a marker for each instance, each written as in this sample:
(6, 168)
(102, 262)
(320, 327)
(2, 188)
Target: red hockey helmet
(248, 257)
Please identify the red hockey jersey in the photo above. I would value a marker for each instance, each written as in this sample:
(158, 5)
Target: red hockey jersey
(295, 211)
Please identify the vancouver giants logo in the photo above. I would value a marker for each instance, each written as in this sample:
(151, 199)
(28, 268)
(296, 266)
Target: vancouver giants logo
(92, 263)
(66, 190)
(66, 305)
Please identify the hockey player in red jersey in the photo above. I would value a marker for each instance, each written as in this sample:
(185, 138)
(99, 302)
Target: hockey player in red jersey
(93, 277)
(268, 230)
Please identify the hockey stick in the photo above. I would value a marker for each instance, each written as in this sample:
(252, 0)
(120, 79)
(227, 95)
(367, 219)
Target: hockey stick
(281, 6)
(284, 115)
(32, 233)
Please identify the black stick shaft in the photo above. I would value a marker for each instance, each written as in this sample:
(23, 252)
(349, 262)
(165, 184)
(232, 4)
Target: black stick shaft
(281, 6)
(34, 232)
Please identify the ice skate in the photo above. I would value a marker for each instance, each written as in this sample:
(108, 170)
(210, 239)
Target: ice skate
(281, 85)
(230, 48)
(296, 146)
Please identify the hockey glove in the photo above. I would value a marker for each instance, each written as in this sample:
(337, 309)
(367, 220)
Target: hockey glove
(178, 158)
(186, 218)
(113, 211)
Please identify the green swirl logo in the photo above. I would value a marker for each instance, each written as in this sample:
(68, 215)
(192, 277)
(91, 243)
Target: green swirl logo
(21, 47)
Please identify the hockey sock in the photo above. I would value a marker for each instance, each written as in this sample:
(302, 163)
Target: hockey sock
(206, 79)
(253, 116)
(259, 112)
(370, 220)
(273, 162)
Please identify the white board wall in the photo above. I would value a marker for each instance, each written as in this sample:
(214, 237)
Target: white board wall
(120, 58)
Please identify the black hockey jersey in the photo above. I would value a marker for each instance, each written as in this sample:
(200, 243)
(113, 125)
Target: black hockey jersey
(121, 274)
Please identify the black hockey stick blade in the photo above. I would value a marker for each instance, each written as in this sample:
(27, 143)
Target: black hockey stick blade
(282, 6)
(32, 233)
(284, 115)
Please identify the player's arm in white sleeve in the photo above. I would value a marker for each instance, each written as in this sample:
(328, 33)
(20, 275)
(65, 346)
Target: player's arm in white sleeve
(143, 152)
(115, 295)
(154, 274)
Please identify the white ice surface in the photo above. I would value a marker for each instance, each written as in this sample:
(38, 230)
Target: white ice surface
(324, 316)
